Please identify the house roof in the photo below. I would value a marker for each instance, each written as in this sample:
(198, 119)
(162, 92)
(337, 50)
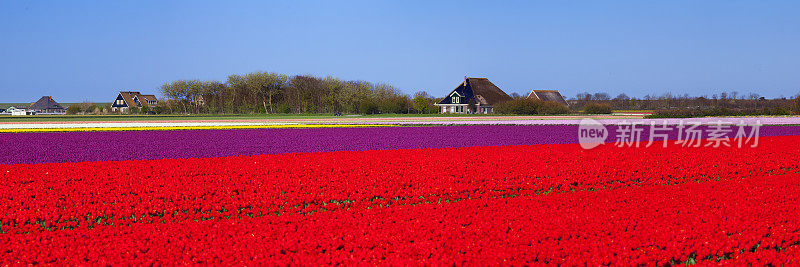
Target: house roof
(46, 102)
(548, 95)
(147, 98)
(486, 89)
(464, 92)
(480, 90)
(129, 97)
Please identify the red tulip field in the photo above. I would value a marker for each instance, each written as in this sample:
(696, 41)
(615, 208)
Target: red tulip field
(481, 205)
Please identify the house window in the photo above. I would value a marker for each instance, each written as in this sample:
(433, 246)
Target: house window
(455, 100)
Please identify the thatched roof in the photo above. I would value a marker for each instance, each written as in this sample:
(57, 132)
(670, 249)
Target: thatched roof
(131, 98)
(149, 97)
(548, 95)
(45, 103)
(480, 90)
(128, 97)
(143, 99)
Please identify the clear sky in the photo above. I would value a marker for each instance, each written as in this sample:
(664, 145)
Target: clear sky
(89, 50)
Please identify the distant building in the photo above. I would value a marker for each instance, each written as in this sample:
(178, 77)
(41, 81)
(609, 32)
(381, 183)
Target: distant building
(46, 105)
(548, 95)
(12, 108)
(473, 96)
(15, 111)
(128, 99)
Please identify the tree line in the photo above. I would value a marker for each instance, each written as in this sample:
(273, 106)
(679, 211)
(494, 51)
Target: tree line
(270, 93)
(669, 105)
(730, 100)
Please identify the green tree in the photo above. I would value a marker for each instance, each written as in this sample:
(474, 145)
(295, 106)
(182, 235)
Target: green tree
(92, 108)
(303, 94)
(552, 108)
(195, 91)
(178, 91)
(263, 87)
(595, 108)
(214, 93)
(423, 103)
(390, 100)
(237, 86)
(521, 106)
(367, 106)
(796, 105)
(352, 94)
(74, 109)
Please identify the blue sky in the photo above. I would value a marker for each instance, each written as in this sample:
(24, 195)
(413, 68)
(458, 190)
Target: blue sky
(89, 50)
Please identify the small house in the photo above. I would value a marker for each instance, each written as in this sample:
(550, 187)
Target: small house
(473, 96)
(548, 95)
(15, 111)
(128, 99)
(46, 105)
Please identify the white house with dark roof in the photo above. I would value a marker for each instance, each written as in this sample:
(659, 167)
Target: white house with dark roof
(473, 96)
(128, 99)
(15, 111)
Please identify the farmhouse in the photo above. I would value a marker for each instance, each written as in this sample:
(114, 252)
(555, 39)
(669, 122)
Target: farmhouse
(15, 111)
(548, 95)
(127, 99)
(46, 105)
(473, 96)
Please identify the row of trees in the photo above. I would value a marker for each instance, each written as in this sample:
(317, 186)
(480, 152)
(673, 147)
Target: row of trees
(526, 106)
(267, 92)
(727, 100)
(88, 108)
